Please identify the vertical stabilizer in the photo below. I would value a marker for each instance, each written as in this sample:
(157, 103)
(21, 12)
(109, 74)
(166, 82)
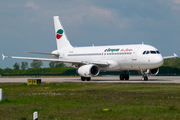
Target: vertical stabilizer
(61, 39)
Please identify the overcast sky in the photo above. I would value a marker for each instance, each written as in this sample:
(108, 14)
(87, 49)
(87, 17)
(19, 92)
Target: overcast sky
(27, 25)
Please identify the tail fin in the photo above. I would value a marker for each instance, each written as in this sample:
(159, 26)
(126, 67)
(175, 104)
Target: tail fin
(61, 39)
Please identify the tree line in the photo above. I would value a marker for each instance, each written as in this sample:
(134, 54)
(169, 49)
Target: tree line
(170, 67)
(36, 69)
(24, 65)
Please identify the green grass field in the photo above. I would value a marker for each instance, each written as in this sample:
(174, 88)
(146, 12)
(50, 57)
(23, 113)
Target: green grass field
(86, 101)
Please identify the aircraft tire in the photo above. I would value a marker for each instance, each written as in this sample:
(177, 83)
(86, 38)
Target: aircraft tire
(82, 78)
(121, 77)
(145, 78)
(126, 76)
(88, 78)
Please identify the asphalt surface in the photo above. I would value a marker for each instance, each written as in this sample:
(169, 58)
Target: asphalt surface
(103, 79)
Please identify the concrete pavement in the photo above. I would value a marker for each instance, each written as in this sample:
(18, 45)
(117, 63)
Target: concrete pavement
(102, 79)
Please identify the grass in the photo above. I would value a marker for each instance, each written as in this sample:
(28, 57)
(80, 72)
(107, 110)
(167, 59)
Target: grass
(66, 101)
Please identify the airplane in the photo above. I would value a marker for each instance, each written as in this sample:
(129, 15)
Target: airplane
(89, 61)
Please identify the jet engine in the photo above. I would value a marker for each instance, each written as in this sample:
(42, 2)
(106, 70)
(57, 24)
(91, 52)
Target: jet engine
(88, 70)
(149, 71)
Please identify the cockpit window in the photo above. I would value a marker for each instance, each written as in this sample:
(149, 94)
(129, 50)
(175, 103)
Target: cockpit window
(157, 52)
(153, 52)
(144, 52)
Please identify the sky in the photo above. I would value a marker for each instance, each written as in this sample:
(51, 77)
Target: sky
(27, 25)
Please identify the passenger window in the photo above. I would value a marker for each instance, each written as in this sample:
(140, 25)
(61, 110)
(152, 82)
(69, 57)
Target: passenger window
(144, 52)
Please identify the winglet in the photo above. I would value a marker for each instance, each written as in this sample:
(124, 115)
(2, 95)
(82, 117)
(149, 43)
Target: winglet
(175, 55)
(3, 57)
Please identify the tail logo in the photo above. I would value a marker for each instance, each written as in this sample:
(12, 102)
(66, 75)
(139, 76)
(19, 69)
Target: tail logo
(59, 34)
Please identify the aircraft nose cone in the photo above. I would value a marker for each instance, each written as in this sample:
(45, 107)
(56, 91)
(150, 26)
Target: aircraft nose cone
(158, 60)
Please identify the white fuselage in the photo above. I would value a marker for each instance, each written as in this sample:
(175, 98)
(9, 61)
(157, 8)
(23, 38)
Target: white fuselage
(145, 59)
(119, 57)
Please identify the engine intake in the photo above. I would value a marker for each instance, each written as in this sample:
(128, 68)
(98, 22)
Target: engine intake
(90, 70)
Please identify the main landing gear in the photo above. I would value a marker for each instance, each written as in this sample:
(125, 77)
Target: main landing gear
(85, 78)
(124, 76)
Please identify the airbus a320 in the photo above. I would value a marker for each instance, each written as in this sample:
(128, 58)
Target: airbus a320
(89, 61)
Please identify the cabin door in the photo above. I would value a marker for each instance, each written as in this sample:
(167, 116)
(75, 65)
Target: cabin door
(134, 54)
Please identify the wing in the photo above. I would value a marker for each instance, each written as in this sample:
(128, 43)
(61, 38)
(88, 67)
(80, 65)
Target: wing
(42, 53)
(103, 63)
(175, 56)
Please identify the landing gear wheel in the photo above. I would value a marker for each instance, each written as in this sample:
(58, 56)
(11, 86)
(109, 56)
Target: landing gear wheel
(126, 76)
(82, 78)
(85, 78)
(121, 77)
(88, 78)
(145, 78)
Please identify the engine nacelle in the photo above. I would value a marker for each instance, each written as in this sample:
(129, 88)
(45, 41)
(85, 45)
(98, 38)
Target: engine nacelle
(149, 71)
(90, 70)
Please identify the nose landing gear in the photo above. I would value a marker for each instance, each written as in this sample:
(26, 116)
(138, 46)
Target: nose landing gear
(145, 78)
(144, 73)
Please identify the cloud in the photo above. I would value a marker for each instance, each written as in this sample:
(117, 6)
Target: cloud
(92, 14)
(175, 5)
(81, 13)
(176, 1)
(31, 4)
(75, 13)
(95, 11)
